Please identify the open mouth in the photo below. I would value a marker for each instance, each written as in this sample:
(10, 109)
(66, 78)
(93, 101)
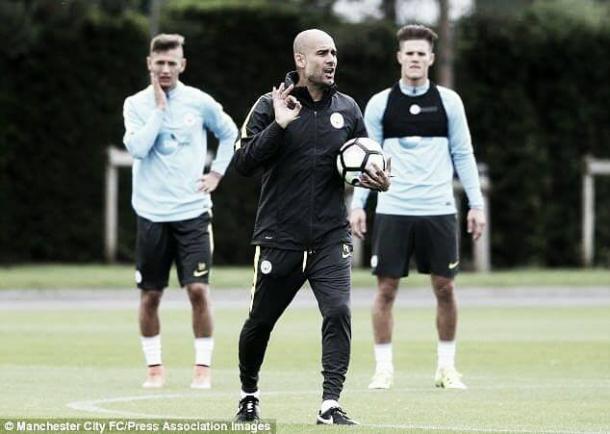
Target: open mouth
(329, 72)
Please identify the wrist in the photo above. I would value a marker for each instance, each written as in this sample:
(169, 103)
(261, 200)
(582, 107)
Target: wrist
(282, 124)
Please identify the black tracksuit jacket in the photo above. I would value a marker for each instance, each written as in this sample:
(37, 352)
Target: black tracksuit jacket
(301, 204)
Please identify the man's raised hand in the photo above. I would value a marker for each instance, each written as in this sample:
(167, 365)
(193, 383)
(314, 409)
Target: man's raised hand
(286, 106)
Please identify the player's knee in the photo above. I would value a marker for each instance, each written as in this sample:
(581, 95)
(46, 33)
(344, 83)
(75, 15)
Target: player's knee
(151, 299)
(386, 299)
(386, 293)
(259, 325)
(443, 288)
(198, 294)
(338, 313)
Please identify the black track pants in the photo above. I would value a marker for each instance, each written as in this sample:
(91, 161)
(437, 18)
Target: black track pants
(279, 274)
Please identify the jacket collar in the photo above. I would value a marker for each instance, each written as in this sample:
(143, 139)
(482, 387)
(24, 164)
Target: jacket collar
(303, 95)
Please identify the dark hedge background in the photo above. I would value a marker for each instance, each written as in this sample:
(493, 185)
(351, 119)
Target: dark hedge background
(535, 88)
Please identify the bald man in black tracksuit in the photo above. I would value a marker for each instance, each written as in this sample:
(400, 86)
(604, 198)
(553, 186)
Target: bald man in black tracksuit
(293, 135)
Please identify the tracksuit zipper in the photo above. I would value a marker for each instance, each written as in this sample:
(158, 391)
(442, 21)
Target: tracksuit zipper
(313, 167)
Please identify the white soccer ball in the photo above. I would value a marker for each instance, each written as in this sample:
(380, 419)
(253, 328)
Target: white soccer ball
(356, 156)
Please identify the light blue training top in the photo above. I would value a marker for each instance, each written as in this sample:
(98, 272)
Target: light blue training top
(423, 167)
(170, 147)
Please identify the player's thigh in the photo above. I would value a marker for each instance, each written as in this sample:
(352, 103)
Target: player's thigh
(328, 271)
(193, 249)
(392, 245)
(436, 245)
(155, 251)
(278, 275)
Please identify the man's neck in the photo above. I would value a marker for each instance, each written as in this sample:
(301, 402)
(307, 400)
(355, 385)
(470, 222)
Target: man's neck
(170, 88)
(414, 83)
(316, 92)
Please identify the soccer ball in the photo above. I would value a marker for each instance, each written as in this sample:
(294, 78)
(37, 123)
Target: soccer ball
(356, 156)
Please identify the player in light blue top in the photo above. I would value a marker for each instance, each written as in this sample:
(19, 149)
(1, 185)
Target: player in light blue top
(169, 146)
(165, 132)
(423, 129)
(423, 176)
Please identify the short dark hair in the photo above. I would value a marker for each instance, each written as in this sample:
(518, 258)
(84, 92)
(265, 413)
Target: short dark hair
(416, 31)
(165, 41)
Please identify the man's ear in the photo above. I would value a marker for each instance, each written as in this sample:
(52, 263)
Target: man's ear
(299, 60)
(148, 63)
(182, 65)
(432, 57)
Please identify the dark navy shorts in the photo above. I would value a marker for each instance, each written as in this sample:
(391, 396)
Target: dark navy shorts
(432, 240)
(188, 243)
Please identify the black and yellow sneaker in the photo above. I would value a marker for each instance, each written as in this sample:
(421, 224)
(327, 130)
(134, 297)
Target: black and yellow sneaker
(335, 416)
(247, 410)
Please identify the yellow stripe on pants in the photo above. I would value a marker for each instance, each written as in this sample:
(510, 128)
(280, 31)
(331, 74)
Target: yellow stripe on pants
(256, 257)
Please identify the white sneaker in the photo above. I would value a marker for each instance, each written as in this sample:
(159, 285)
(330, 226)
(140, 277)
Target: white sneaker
(202, 377)
(448, 378)
(382, 380)
(155, 377)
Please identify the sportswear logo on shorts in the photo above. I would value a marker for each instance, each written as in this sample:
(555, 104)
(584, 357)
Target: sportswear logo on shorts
(337, 121)
(201, 270)
(138, 276)
(266, 267)
(374, 261)
(346, 251)
(452, 265)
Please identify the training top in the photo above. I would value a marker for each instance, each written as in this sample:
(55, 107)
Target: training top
(426, 142)
(301, 203)
(169, 148)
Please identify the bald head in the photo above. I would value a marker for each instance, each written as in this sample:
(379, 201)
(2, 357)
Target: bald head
(315, 58)
(309, 39)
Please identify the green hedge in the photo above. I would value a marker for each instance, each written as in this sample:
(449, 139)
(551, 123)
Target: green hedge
(62, 93)
(535, 91)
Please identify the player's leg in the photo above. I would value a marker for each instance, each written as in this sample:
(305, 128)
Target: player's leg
(392, 246)
(329, 273)
(446, 322)
(154, 254)
(278, 275)
(383, 324)
(199, 297)
(194, 262)
(437, 243)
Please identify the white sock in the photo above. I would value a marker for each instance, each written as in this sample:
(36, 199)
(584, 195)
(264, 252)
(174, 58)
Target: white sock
(446, 354)
(256, 394)
(328, 403)
(152, 349)
(203, 351)
(383, 357)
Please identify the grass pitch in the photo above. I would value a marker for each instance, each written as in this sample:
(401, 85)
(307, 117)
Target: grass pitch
(63, 276)
(529, 369)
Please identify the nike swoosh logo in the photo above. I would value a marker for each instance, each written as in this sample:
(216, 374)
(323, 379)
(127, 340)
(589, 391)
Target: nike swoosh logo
(200, 273)
(328, 421)
(452, 265)
(346, 255)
